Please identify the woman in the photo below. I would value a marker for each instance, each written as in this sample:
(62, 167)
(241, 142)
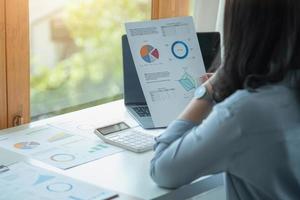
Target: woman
(253, 132)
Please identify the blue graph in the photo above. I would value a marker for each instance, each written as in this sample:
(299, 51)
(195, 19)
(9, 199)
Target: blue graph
(59, 187)
(180, 49)
(75, 198)
(42, 179)
(188, 82)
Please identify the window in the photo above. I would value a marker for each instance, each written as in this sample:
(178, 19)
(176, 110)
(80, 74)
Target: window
(75, 50)
(75, 57)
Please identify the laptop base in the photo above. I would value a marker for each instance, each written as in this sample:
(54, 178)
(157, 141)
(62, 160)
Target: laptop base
(144, 122)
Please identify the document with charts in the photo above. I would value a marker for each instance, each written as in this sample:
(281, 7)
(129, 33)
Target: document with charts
(169, 64)
(25, 181)
(55, 146)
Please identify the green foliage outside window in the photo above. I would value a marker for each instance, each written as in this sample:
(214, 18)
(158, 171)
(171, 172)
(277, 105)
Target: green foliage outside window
(94, 70)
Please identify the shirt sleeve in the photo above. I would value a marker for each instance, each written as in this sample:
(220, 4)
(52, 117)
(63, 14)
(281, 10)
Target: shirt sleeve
(186, 151)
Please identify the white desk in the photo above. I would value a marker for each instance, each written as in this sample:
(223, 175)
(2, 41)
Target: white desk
(124, 172)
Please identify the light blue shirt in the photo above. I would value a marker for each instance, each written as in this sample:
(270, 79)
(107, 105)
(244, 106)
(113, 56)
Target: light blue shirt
(252, 136)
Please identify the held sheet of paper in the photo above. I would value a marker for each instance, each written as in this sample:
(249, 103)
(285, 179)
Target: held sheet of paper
(169, 64)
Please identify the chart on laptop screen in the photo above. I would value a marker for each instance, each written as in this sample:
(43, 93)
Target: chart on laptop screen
(169, 63)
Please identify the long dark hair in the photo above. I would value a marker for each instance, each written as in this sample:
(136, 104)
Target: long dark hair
(261, 44)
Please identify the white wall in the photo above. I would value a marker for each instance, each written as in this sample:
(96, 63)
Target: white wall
(205, 14)
(221, 10)
(208, 15)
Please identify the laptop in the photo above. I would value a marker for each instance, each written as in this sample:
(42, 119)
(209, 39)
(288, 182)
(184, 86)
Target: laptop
(134, 98)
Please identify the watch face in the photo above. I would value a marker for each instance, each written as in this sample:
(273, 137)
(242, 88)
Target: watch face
(200, 92)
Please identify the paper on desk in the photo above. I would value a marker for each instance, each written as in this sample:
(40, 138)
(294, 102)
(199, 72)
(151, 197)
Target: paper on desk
(79, 127)
(56, 147)
(169, 63)
(24, 181)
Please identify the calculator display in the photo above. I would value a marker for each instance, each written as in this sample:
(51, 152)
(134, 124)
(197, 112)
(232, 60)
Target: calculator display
(113, 128)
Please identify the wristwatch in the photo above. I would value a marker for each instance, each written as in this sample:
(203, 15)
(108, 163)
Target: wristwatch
(202, 93)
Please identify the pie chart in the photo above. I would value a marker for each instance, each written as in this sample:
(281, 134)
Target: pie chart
(26, 145)
(62, 157)
(149, 53)
(59, 187)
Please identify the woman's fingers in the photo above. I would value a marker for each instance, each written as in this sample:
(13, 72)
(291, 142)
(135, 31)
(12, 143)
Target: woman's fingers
(210, 74)
(205, 77)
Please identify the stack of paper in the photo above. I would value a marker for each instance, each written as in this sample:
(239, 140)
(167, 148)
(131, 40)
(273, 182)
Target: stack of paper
(56, 147)
(24, 181)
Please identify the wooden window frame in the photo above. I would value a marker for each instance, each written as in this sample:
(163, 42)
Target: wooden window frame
(170, 8)
(14, 55)
(18, 65)
(3, 91)
(14, 63)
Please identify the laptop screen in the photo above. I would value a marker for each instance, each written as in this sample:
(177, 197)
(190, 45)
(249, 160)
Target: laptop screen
(133, 93)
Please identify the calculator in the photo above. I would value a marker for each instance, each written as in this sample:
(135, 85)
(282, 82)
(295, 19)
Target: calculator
(124, 136)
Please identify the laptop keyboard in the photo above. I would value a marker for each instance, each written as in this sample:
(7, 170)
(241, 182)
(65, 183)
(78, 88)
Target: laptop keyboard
(142, 111)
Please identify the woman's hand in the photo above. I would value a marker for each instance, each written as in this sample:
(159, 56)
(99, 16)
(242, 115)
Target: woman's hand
(206, 81)
(206, 77)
